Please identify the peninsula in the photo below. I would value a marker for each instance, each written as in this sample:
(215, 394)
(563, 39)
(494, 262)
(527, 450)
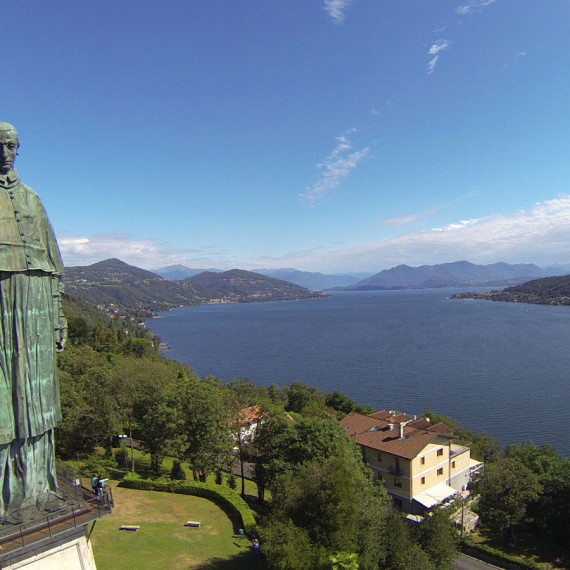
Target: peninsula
(547, 291)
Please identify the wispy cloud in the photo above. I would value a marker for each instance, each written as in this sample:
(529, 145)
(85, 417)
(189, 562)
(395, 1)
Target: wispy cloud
(413, 217)
(336, 9)
(335, 168)
(540, 235)
(435, 49)
(473, 6)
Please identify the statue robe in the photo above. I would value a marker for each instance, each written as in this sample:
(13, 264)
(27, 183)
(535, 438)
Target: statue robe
(30, 301)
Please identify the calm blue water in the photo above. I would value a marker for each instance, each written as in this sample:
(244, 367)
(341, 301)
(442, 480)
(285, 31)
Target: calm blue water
(502, 368)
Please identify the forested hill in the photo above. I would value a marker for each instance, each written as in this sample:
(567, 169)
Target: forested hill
(243, 286)
(547, 291)
(113, 283)
(124, 290)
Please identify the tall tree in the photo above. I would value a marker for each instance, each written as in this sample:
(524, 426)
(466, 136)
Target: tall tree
(306, 400)
(206, 430)
(320, 486)
(506, 489)
(550, 511)
(156, 409)
(439, 540)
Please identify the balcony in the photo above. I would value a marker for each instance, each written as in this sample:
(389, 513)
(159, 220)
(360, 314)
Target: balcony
(396, 471)
(73, 507)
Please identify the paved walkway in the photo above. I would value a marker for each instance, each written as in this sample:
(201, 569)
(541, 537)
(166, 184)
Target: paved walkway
(465, 562)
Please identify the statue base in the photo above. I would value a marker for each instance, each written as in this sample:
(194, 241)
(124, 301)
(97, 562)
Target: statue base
(68, 551)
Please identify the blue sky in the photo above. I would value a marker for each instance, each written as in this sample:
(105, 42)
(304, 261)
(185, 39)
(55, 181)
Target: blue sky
(329, 136)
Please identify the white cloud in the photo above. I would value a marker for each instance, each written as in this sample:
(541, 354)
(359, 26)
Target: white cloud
(473, 6)
(540, 235)
(431, 64)
(435, 49)
(335, 168)
(146, 253)
(409, 218)
(336, 9)
(440, 45)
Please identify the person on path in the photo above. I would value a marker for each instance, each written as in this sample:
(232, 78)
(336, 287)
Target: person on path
(95, 484)
(256, 550)
(100, 484)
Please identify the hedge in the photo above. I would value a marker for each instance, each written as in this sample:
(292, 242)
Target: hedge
(493, 555)
(222, 495)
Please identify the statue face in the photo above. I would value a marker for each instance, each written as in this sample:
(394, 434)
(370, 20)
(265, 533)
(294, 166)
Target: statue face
(8, 151)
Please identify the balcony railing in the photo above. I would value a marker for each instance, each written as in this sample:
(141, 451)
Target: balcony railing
(396, 471)
(74, 506)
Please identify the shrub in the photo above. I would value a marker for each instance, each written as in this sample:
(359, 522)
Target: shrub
(95, 464)
(232, 481)
(177, 473)
(108, 458)
(122, 456)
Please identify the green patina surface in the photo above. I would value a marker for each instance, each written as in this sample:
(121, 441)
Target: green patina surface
(33, 329)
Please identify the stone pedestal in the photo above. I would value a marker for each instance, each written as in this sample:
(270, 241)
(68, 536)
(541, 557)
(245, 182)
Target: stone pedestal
(71, 551)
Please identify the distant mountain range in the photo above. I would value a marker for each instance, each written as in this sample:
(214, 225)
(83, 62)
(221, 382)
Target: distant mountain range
(457, 274)
(179, 272)
(122, 289)
(310, 280)
(315, 281)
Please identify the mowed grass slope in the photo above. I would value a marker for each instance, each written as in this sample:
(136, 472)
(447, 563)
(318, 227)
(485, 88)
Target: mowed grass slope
(163, 541)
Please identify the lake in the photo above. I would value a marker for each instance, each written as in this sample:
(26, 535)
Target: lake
(502, 368)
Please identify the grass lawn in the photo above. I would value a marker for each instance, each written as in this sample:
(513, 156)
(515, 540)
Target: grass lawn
(163, 541)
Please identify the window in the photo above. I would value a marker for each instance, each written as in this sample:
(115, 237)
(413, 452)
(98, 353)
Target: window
(379, 457)
(453, 464)
(440, 471)
(422, 460)
(440, 452)
(423, 480)
(397, 483)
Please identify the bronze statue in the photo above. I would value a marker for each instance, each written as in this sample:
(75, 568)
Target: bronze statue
(33, 329)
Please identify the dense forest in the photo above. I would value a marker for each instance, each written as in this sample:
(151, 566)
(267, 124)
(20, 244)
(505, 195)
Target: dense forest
(319, 501)
(547, 291)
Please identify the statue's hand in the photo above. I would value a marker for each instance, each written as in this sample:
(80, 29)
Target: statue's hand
(61, 339)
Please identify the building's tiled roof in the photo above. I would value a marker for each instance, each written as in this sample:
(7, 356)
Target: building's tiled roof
(384, 435)
(389, 416)
(251, 414)
(420, 423)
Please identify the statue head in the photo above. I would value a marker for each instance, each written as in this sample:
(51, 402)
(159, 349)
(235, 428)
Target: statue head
(9, 144)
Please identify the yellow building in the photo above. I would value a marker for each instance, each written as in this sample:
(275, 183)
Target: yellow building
(419, 463)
